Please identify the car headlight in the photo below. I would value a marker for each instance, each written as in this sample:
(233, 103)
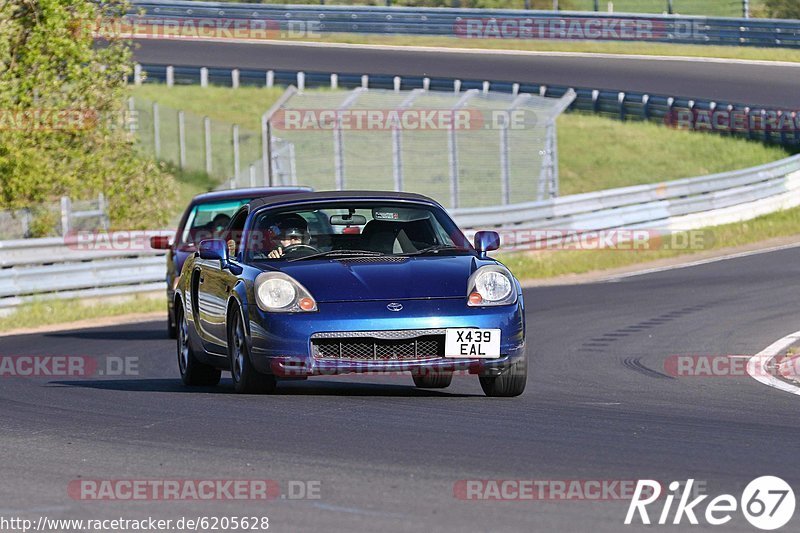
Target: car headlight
(277, 292)
(491, 285)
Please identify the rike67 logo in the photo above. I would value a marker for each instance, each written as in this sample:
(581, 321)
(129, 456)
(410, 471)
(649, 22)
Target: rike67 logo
(767, 503)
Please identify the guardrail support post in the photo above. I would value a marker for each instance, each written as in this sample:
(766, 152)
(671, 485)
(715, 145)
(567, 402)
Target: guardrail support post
(365, 81)
(397, 81)
(426, 84)
(301, 81)
(456, 86)
(486, 87)
(207, 139)
(66, 214)
(156, 131)
(270, 79)
(515, 89)
(235, 78)
(334, 81)
(203, 77)
(621, 100)
(182, 139)
(170, 76)
(137, 74)
(646, 106)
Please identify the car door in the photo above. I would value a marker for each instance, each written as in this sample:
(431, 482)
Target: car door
(217, 283)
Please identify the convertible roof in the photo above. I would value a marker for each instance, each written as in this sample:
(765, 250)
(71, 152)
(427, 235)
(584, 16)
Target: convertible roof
(339, 195)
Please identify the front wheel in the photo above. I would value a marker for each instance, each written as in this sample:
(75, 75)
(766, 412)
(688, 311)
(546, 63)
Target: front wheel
(246, 379)
(509, 383)
(193, 372)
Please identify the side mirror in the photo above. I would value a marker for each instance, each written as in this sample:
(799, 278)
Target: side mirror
(486, 241)
(214, 250)
(159, 242)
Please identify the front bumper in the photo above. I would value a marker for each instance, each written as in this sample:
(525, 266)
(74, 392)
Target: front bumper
(281, 342)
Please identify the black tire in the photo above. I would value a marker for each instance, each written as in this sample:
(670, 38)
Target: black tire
(509, 383)
(434, 379)
(246, 379)
(193, 372)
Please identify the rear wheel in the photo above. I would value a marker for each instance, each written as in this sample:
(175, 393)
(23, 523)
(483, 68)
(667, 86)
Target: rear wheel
(246, 379)
(435, 379)
(509, 383)
(193, 372)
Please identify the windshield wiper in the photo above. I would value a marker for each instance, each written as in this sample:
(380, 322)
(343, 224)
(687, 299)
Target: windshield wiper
(436, 248)
(331, 253)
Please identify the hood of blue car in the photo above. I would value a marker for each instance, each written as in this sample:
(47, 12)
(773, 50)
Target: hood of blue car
(359, 279)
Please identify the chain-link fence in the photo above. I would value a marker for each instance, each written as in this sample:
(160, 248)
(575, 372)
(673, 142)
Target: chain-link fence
(465, 149)
(225, 151)
(55, 219)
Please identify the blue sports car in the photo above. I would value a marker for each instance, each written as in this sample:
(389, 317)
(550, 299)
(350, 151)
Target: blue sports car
(326, 283)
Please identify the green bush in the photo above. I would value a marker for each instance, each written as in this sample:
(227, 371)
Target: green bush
(783, 9)
(62, 113)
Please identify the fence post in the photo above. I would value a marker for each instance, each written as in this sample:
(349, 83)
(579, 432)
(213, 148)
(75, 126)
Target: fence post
(131, 115)
(236, 163)
(207, 139)
(452, 148)
(252, 175)
(266, 155)
(505, 160)
(66, 214)
(203, 77)
(103, 208)
(746, 8)
(597, 5)
(182, 139)
(670, 7)
(156, 131)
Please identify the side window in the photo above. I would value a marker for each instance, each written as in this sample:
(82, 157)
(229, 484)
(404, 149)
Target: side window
(233, 233)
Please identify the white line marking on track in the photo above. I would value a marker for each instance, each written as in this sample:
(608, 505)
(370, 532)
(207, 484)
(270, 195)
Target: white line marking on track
(756, 367)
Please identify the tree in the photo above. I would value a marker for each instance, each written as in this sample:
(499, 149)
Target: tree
(62, 112)
(783, 9)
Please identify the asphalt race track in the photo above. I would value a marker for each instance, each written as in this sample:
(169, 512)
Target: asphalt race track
(754, 84)
(599, 406)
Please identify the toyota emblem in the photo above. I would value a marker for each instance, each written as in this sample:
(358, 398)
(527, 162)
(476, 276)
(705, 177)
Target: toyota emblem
(394, 306)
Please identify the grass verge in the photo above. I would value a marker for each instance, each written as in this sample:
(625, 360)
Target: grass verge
(552, 263)
(49, 312)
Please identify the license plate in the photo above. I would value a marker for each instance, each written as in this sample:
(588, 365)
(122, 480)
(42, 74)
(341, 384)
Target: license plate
(472, 343)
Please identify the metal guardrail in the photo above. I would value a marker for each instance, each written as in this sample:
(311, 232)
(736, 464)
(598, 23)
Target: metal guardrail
(55, 268)
(623, 105)
(477, 23)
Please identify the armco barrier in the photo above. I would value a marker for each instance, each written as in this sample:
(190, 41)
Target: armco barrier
(484, 23)
(46, 268)
(758, 123)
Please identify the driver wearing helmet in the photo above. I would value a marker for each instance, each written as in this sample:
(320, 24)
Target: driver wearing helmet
(288, 230)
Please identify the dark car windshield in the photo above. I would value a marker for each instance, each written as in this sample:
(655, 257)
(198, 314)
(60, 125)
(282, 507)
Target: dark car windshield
(208, 220)
(358, 228)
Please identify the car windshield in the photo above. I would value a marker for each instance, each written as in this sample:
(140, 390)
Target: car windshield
(360, 228)
(207, 221)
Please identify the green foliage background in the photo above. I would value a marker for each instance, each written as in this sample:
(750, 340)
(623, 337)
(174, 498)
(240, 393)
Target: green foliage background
(49, 62)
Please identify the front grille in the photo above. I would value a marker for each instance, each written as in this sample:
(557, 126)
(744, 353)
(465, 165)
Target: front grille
(379, 345)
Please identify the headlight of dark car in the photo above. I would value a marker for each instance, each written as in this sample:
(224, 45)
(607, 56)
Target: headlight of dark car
(277, 292)
(491, 285)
